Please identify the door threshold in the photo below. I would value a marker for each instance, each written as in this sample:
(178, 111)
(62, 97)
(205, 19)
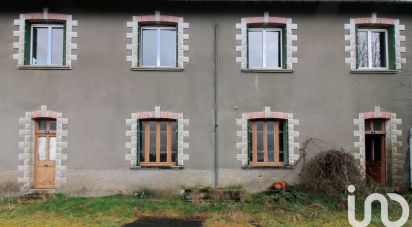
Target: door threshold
(42, 191)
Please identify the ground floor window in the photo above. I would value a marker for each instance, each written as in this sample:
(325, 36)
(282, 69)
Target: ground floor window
(157, 142)
(268, 141)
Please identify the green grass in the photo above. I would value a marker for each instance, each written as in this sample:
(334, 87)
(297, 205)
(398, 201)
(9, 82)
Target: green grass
(292, 208)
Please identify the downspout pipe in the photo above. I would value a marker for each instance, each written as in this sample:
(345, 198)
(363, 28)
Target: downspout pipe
(216, 107)
(410, 157)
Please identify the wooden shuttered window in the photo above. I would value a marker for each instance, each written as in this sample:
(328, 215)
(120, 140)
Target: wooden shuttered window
(268, 142)
(157, 142)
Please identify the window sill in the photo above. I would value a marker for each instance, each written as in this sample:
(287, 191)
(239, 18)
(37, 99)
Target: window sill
(267, 70)
(166, 69)
(154, 167)
(44, 67)
(267, 167)
(374, 71)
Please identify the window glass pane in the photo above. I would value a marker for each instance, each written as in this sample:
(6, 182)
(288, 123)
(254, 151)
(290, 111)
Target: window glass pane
(149, 47)
(378, 44)
(168, 47)
(273, 49)
(368, 125)
(281, 147)
(41, 148)
(57, 46)
(260, 151)
(362, 49)
(377, 125)
(174, 141)
(52, 148)
(255, 49)
(42, 124)
(163, 141)
(142, 141)
(40, 45)
(52, 125)
(152, 141)
(271, 141)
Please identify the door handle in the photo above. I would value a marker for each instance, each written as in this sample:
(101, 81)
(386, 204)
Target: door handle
(46, 165)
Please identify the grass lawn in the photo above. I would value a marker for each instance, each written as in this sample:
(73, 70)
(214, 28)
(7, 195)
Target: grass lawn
(261, 209)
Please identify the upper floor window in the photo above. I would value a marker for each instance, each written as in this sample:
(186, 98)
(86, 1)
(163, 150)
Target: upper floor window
(45, 40)
(47, 44)
(268, 141)
(372, 48)
(157, 142)
(158, 46)
(265, 48)
(157, 42)
(375, 44)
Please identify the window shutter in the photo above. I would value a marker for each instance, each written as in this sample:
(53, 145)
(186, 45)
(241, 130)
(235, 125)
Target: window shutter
(138, 150)
(64, 44)
(249, 141)
(27, 32)
(391, 48)
(284, 48)
(285, 142)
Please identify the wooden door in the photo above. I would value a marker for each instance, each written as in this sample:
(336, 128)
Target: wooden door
(45, 154)
(375, 151)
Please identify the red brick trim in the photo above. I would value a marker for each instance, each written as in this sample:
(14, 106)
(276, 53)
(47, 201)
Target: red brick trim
(43, 114)
(373, 115)
(149, 19)
(261, 20)
(258, 115)
(42, 16)
(164, 115)
(376, 21)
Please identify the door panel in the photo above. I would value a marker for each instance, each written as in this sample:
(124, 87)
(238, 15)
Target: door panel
(376, 158)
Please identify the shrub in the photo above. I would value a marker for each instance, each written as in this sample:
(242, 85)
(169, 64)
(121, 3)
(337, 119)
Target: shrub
(330, 172)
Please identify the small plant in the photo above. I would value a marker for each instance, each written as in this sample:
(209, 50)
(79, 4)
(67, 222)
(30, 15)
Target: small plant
(144, 193)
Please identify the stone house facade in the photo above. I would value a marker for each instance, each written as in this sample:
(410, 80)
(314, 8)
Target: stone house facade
(171, 94)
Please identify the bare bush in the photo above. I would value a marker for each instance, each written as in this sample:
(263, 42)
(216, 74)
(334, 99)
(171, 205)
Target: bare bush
(330, 172)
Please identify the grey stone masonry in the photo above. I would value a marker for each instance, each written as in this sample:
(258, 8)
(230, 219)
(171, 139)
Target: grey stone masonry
(20, 32)
(133, 36)
(394, 138)
(290, 42)
(350, 37)
(242, 134)
(182, 134)
(26, 147)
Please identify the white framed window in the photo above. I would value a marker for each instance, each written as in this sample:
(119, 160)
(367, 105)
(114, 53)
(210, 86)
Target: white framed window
(158, 46)
(47, 44)
(265, 48)
(372, 49)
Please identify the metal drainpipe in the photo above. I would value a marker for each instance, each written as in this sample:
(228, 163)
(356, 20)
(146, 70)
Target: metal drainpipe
(410, 157)
(216, 105)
